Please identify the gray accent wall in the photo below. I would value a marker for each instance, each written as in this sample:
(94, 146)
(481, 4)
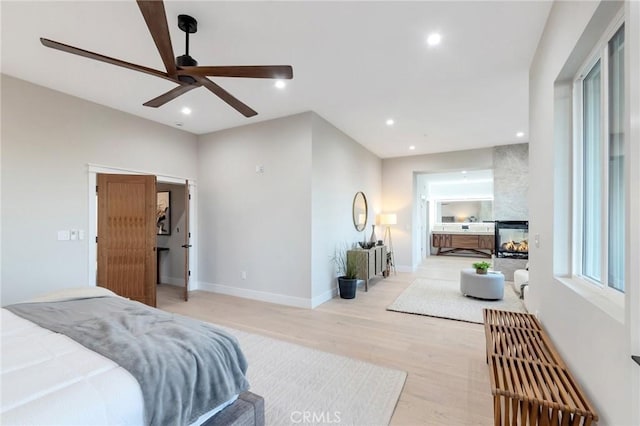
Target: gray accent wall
(257, 222)
(275, 202)
(274, 197)
(48, 140)
(341, 167)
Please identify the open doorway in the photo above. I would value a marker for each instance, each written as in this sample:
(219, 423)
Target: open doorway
(185, 217)
(455, 213)
(171, 239)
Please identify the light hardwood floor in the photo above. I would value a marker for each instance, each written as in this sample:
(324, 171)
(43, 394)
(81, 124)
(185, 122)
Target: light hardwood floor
(448, 379)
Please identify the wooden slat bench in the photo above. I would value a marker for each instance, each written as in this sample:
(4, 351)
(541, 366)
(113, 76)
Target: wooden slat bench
(530, 383)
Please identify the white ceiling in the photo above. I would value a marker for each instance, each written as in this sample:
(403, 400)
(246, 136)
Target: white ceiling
(355, 63)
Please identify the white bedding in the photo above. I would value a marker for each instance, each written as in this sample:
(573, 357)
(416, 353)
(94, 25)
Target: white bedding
(48, 378)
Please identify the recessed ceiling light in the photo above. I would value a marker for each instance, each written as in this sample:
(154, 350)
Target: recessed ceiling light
(412, 147)
(186, 110)
(434, 39)
(464, 172)
(519, 134)
(280, 84)
(390, 122)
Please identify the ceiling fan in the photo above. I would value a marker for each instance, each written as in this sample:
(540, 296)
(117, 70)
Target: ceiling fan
(183, 70)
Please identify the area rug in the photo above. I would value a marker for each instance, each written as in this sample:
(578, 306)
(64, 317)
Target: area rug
(442, 298)
(307, 386)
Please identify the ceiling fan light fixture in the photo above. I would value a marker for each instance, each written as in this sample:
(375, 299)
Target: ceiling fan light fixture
(183, 70)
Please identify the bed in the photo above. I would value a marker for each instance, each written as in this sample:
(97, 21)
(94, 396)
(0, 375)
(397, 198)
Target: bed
(90, 357)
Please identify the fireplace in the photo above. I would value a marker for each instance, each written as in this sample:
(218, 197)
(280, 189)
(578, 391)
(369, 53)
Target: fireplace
(512, 239)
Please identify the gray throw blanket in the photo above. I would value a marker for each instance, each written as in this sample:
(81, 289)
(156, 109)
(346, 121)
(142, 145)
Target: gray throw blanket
(185, 367)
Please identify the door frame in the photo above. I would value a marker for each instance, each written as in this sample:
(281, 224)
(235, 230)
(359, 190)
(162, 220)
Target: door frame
(93, 170)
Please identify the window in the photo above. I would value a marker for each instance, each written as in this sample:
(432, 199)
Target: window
(600, 182)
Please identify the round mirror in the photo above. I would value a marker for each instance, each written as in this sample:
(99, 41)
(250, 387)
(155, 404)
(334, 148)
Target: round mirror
(360, 211)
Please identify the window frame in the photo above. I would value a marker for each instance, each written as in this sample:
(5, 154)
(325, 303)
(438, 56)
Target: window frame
(600, 52)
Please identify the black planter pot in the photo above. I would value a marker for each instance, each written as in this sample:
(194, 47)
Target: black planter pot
(347, 287)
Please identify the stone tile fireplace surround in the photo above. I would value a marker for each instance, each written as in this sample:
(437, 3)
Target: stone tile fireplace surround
(510, 196)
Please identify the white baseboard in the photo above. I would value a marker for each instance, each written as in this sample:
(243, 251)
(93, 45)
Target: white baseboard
(263, 296)
(324, 297)
(405, 268)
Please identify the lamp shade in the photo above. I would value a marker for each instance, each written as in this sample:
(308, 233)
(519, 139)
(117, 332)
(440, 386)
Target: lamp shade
(387, 219)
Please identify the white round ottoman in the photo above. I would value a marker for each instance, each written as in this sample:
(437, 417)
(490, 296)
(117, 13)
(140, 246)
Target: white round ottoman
(489, 286)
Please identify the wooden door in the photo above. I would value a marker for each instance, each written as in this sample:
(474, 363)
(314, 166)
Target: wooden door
(127, 236)
(187, 243)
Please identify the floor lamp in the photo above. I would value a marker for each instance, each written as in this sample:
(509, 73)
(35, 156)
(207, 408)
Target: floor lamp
(388, 220)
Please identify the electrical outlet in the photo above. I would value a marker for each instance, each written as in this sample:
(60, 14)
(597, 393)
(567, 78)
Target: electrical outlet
(73, 234)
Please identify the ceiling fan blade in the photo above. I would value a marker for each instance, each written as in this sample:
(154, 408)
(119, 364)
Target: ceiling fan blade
(156, 19)
(245, 71)
(169, 96)
(227, 97)
(98, 57)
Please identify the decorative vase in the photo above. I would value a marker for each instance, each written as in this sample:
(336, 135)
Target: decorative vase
(481, 271)
(373, 238)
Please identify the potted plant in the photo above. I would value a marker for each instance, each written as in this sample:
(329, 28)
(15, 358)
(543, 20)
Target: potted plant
(481, 267)
(347, 268)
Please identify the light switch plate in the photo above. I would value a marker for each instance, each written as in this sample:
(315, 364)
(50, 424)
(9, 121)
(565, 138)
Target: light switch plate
(63, 236)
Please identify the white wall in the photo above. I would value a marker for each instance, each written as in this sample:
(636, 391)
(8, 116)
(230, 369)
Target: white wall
(259, 223)
(48, 139)
(399, 189)
(594, 344)
(341, 167)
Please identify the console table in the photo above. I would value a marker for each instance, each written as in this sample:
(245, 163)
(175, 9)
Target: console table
(370, 262)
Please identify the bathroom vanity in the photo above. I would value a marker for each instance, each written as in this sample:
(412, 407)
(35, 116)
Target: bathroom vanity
(477, 238)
